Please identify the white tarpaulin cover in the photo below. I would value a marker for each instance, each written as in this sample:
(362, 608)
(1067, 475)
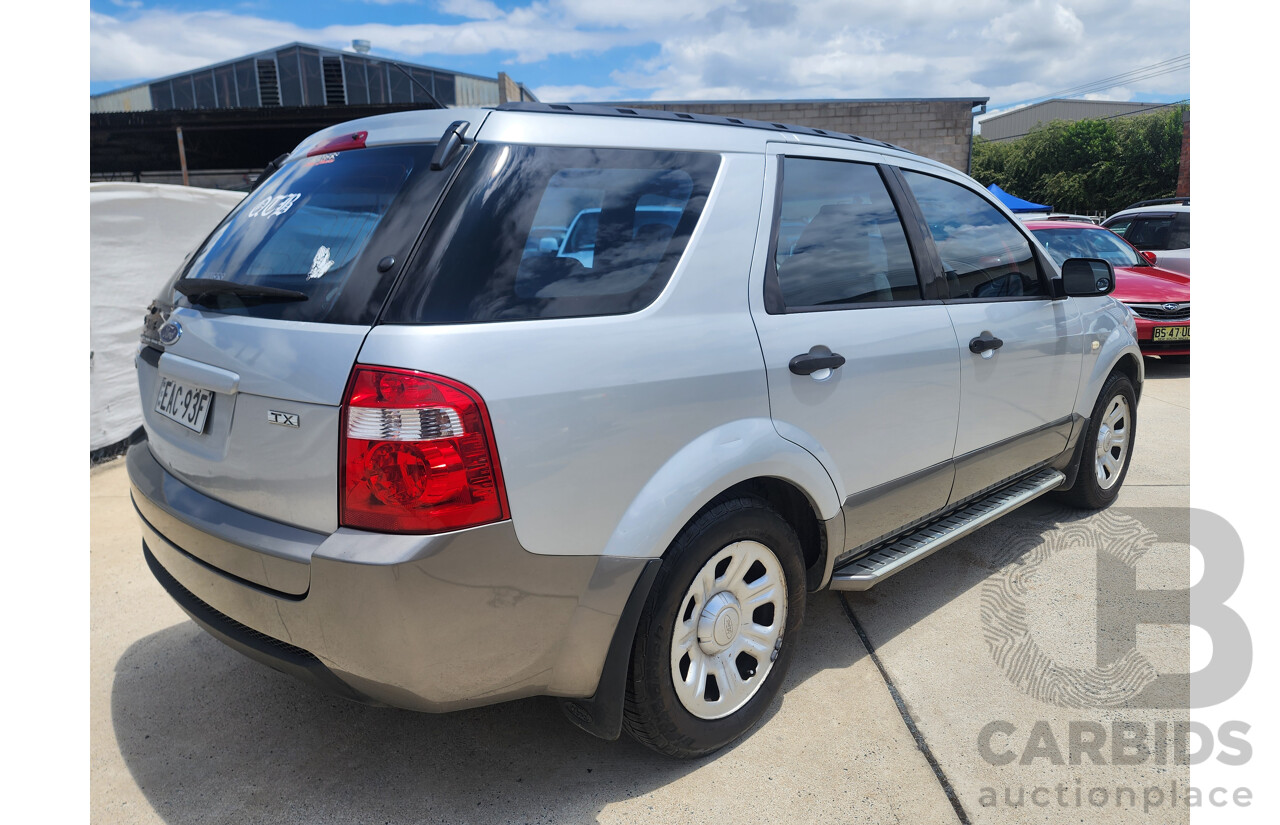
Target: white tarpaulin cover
(138, 235)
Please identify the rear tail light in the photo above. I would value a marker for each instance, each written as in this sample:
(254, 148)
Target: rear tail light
(417, 454)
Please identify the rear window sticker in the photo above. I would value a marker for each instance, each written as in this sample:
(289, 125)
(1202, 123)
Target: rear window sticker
(277, 205)
(320, 264)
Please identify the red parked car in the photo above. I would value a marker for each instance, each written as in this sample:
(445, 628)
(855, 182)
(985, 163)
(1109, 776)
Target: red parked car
(1160, 299)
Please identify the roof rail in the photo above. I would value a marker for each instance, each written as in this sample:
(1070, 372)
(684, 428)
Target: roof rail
(662, 114)
(1186, 201)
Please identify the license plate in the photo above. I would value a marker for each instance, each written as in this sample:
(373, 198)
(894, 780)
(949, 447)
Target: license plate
(1171, 334)
(187, 405)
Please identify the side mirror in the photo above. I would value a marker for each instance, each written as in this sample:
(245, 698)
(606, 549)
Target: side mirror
(1149, 255)
(1087, 278)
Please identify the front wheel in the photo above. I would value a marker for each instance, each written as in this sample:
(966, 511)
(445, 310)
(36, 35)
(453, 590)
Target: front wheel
(718, 631)
(1108, 447)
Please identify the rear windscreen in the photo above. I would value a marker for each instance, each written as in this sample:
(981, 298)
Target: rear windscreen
(547, 232)
(318, 227)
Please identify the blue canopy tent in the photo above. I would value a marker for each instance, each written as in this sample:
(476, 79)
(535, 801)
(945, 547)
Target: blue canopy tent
(1017, 205)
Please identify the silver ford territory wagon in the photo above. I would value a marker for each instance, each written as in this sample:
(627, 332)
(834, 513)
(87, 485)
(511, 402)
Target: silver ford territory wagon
(413, 439)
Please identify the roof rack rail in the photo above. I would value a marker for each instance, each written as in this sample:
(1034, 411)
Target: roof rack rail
(1185, 201)
(662, 114)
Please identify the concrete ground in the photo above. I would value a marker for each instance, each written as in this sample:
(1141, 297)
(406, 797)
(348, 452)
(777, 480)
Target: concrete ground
(882, 718)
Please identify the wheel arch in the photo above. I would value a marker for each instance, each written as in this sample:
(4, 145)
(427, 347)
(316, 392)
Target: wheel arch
(746, 455)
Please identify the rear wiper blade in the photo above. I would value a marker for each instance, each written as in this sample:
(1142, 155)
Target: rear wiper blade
(205, 291)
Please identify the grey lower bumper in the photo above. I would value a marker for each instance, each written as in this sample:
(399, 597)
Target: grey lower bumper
(432, 623)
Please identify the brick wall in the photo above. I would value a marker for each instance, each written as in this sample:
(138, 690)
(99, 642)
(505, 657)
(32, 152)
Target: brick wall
(938, 129)
(1184, 162)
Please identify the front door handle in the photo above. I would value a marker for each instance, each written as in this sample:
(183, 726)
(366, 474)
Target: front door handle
(817, 358)
(984, 342)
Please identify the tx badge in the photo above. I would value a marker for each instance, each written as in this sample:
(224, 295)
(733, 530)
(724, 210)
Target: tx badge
(284, 419)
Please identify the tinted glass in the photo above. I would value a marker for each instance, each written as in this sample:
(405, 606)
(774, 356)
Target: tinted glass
(1180, 235)
(401, 87)
(247, 84)
(307, 227)
(840, 240)
(162, 95)
(312, 80)
(422, 86)
(1070, 242)
(497, 254)
(983, 254)
(203, 82)
(357, 85)
(445, 89)
(1150, 233)
(225, 79)
(184, 96)
(289, 78)
(377, 74)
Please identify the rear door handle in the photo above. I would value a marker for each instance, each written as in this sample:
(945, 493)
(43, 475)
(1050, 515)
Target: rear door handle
(817, 358)
(984, 342)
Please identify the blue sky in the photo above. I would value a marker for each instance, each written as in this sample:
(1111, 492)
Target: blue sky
(1008, 50)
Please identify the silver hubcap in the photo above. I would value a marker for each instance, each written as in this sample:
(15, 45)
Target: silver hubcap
(729, 630)
(1113, 442)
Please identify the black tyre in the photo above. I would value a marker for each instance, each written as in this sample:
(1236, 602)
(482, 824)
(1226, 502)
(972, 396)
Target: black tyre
(718, 631)
(1108, 446)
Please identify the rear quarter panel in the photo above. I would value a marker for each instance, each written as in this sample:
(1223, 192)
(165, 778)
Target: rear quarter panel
(613, 430)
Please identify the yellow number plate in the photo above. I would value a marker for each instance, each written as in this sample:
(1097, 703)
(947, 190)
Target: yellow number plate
(1171, 334)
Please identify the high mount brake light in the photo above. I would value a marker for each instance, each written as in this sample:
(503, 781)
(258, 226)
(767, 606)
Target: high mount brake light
(353, 140)
(417, 454)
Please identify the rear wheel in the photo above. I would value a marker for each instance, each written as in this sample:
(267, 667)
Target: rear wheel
(1108, 447)
(718, 631)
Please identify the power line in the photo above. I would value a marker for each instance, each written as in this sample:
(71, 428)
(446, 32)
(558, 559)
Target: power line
(1163, 67)
(1173, 64)
(1144, 110)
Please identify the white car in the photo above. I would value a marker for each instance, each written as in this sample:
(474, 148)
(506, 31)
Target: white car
(1162, 227)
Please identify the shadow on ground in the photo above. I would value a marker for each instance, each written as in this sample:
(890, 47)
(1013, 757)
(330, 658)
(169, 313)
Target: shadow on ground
(212, 737)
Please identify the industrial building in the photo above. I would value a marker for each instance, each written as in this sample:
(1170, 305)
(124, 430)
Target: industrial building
(940, 128)
(1018, 122)
(219, 125)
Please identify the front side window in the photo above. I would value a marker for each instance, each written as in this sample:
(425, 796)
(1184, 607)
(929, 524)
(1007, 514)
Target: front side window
(983, 254)
(840, 240)
(531, 232)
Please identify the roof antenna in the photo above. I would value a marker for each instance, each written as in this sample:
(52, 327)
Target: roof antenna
(418, 83)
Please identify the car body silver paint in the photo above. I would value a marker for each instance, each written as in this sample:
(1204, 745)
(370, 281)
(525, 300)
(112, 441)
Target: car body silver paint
(1107, 339)
(431, 623)
(571, 398)
(283, 473)
(890, 410)
(611, 432)
(422, 126)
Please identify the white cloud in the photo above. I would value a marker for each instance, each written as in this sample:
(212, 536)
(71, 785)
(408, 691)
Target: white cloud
(1008, 50)
(568, 94)
(470, 9)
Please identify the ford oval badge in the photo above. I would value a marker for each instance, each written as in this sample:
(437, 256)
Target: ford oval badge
(170, 333)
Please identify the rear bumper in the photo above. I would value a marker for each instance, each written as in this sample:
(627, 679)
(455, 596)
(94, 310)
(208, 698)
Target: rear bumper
(431, 623)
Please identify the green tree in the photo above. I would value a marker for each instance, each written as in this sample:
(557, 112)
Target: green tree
(1097, 165)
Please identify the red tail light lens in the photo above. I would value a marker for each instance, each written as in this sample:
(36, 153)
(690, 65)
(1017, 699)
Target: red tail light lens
(417, 454)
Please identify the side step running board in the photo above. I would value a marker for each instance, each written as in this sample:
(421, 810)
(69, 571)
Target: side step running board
(883, 562)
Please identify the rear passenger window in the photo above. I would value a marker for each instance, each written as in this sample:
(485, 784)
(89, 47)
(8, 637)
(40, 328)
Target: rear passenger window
(543, 232)
(840, 240)
(983, 254)
(1151, 233)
